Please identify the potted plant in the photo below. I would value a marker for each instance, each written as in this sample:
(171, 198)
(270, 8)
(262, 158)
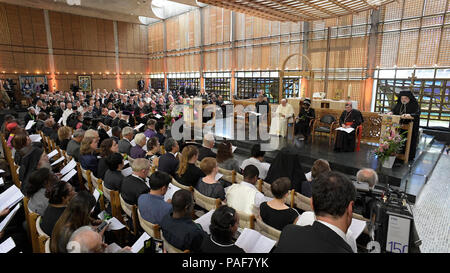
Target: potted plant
(389, 147)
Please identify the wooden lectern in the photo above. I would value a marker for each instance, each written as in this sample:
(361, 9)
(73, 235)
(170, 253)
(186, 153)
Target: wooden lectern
(393, 121)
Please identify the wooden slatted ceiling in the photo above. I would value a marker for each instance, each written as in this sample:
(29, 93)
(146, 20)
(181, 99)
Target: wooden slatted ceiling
(297, 10)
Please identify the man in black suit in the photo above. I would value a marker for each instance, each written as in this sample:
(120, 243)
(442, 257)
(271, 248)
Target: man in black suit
(168, 162)
(205, 150)
(136, 183)
(333, 196)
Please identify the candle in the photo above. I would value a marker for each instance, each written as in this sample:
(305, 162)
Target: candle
(349, 90)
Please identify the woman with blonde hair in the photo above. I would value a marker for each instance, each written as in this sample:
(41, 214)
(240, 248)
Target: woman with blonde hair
(88, 156)
(188, 173)
(64, 135)
(208, 185)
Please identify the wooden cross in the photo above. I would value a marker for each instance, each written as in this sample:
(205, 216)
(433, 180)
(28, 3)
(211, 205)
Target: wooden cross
(413, 78)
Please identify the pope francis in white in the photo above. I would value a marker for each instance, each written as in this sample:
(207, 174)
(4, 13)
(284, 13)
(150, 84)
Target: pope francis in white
(278, 125)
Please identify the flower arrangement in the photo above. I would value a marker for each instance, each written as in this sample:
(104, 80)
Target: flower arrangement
(390, 145)
(169, 119)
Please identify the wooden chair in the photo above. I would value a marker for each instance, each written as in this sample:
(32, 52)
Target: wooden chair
(31, 223)
(239, 178)
(39, 229)
(170, 248)
(47, 246)
(246, 220)
(98, 184)
(302, 202)
(181, 186)
(87, 176)
(153, 230)
(265, 189)
(228, 175)
(80, 176)
(325, 125)
(131, 211)
(106, 192)
(116, 207)
(267, 230)
(206, 202)
(43, 244)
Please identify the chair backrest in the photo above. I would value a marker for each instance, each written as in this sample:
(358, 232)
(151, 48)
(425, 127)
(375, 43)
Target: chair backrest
(102, 196)
(153, 230)
(87, 176)
(239, 178)
(206, 202)
(266, 189)
(327, 119)
(181, 186)
(267, 230)
(228, 175)
(94, 181)
(115, 205)
(107, 193)
(289, 199)
(246, 220)
(127, 208)
(42, 244)
(131, 211)
(302, 202)
(31, 222)
(39, 229)
(170, 248)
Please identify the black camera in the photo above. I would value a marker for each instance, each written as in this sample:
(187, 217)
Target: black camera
(391, 225)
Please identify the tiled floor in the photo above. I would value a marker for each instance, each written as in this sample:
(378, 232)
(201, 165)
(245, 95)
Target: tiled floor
(432, 210)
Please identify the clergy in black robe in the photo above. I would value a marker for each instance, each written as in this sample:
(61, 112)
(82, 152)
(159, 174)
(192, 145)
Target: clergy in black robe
(304, 118)
(345, 142)
(406, 106)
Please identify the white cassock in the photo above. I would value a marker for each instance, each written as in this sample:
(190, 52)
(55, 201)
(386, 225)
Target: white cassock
(278, 124)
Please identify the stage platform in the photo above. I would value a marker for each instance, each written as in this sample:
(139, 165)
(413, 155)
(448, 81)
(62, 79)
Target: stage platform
(409, 178)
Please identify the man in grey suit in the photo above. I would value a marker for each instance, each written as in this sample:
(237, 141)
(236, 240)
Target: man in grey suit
(73, 147)
(124, 143)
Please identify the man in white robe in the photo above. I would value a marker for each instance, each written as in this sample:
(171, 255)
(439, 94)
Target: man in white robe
(278, 124)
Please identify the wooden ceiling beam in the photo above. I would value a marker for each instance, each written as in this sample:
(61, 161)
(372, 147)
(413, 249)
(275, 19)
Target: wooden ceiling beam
(265, 9)
(312, 16)
(342, 6)
(243, 9)
(307, 2)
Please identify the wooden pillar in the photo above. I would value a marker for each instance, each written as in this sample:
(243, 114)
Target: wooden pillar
(116, 47)
(366, 97)
(233, 90)
(51, 61)
(327, 61)
(166, 84)
(305, 65)
(202, 48)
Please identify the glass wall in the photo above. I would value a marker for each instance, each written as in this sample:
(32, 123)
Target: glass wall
(218, 83)
(431, 87)
(249, 83)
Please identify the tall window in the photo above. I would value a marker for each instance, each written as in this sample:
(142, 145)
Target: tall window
(291, 87)
(157, 84)
(219, 84)
(250, 83)
(431, 87)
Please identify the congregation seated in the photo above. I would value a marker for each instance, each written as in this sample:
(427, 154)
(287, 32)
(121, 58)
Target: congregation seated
(153, 151)
(225, 157)
(275, 212)
(243, 196)
(36, 158)
(168, 162)
(107, 148)
(256, 159)
(124, 143)
(22, 145)
(88, 156)
(73, 147)
(205, 150)
(135, 184)
(208, 185)
(113, 175)
(223, 227)
(333, 196)
(178, 228)
(152, 205)
(188, 173)
(137, 150)
(319, 166)
(40, 181)
(59, 195)
(76, 215)
(63, 139)
(41, 117)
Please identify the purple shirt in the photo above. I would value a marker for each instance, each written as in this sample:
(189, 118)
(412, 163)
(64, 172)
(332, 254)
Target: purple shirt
(149, 133)
(137, 152)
